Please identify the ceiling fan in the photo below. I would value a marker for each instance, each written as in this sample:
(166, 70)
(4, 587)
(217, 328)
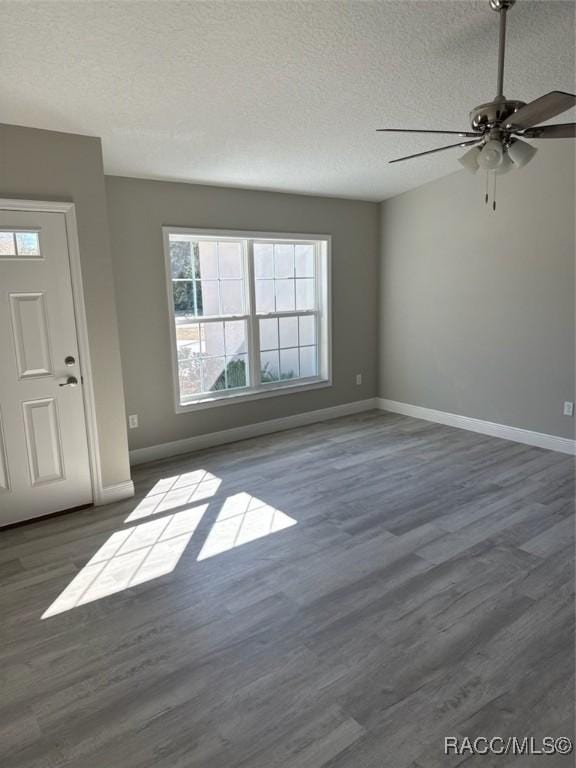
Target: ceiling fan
(498, 125)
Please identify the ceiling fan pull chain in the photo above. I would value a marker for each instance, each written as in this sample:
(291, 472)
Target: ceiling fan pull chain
(486, 195)
(494, 192)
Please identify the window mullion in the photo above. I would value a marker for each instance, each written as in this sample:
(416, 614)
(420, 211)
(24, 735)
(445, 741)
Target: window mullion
(288, 313)
(218, 318)
(193, 247)
(218, 277)
(253, 329)
(319, 305)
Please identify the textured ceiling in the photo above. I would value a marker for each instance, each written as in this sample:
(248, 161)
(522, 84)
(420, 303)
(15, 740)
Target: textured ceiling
(273, 95)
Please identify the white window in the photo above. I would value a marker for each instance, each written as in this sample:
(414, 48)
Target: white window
(249, 314)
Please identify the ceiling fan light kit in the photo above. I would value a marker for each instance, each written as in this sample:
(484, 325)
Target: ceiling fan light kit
(505, 166)
(470, 160)
(491, 155)
(521, 152)
(498, 125)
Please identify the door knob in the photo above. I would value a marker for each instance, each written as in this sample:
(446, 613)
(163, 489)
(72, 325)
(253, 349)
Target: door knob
(71, 381)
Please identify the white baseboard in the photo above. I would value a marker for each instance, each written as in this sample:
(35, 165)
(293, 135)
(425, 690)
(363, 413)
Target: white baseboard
(190, 444)
(517, 435)
(112, 493)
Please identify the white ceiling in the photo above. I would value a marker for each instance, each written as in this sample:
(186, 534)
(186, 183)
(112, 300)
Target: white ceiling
(273, 95)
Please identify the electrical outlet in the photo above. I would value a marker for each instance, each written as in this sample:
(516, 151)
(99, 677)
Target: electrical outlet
(358, 379)
(568, 408)
(133, 421)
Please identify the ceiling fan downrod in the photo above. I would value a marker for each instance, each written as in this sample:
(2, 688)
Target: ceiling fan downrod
(502, 7)
(487, 117)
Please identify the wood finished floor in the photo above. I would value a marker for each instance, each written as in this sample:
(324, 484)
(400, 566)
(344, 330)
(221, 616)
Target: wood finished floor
(426, 590)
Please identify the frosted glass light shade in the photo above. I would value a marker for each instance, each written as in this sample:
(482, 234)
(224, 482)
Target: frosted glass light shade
(521, 152)
(470, 159)
(491, 155)
(505, 166)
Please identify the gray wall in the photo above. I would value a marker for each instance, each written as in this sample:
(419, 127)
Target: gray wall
(44, 165)
(137, 211)
(477, 308)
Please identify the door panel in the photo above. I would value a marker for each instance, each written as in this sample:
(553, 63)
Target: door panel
(30, 329)
(43, 441)
(44, 460)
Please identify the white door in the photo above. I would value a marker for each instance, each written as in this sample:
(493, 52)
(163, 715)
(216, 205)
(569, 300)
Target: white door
(44, 461)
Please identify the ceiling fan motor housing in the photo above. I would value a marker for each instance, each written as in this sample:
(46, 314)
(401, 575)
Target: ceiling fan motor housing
(501, 5)
(494, 113)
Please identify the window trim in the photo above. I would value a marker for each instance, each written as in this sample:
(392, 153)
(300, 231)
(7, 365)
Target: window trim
(324, 302)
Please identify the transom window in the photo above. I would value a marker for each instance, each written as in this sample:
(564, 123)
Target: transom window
(249, 314)
(19, 244)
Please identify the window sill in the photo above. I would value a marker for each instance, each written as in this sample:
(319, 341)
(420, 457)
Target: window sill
(253, 394)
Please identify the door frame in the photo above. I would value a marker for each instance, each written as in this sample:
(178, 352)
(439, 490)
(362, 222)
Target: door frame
(69, 211)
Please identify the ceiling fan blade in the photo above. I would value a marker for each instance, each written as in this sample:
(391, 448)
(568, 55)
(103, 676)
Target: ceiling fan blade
(560, 131)
(541, 109)
(415, 130)
(440, 149)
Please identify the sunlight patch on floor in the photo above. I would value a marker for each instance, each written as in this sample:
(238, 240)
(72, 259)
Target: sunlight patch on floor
(150, 549)
(172, 492)
(243, 518)
(129, 557)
